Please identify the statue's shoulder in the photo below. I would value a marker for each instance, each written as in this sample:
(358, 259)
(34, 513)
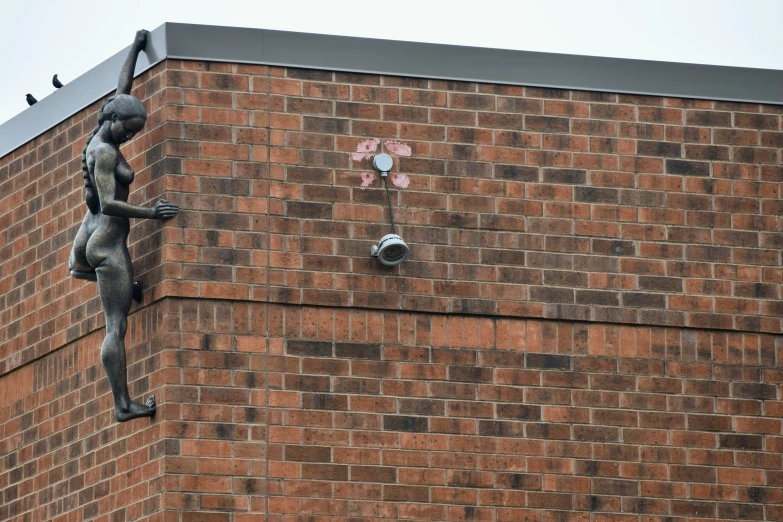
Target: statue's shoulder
(102, 154)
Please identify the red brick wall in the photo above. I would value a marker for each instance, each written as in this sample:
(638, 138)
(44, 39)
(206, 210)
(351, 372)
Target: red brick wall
(62, 456)
(585, 327)
(522, 202)
(418, 416)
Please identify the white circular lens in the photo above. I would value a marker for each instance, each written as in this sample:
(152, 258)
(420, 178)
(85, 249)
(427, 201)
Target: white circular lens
(392, 250)
(382, 162)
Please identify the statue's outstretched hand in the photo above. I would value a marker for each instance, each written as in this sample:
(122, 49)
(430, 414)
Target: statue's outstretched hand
(141, 39)
(165, 210)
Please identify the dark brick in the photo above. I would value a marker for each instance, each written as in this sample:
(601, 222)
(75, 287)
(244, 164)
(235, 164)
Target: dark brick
(520, 105)
(687, 168)
(547, 361)
(320, 158)
(470, 374)
(706, 152)
(694, 473)
(422, 406)
(613, 247)
(502, 257)
(708, 118)
(422, 166)
(324, 401)
(523, 481)
(756, 121)
(732, 511)
(742, 442)
(309, 348)
(644, 300)
(660, 284)
(596, 433)
(598, 297)
(501, 429)
(358, 351)
(570, 176)
(658, 148)
(626, 488)
(405, 423)
(551, 295)
(518, 412)
(305, 209)
(546, 124)
(756, 290)
(752, 390)
(309, 74)
(306, 383)
(564, 278)
(468, 169)
(547, 92)
(325, 125)
(596, 195)
(516, 173)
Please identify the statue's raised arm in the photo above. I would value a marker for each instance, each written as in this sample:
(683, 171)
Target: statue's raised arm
(126, 73)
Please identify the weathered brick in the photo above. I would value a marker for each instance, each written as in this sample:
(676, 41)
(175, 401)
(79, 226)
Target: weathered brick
(358, 351)
(547, 361)
(405, 423)
(309, 348)
(687, 168)
(570, 176)
(747, 390)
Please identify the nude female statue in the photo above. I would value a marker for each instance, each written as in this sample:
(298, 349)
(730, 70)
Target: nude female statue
(100, 250)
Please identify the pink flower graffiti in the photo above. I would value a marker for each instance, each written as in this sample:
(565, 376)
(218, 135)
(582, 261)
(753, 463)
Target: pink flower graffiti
(367, 179)
(395, 147)
(400, 181)
(365, 149)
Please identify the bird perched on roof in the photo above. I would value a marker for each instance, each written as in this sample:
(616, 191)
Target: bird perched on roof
(57, 83)
(31, 100)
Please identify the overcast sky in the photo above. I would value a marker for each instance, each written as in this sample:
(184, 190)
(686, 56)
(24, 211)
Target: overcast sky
(69, 37)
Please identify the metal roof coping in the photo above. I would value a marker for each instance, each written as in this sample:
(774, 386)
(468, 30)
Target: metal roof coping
(398, 58)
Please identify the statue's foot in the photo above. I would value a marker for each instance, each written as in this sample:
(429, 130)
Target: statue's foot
(136, 410)
(137, 293)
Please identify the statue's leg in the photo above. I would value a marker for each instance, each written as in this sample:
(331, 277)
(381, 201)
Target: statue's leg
(115, 286)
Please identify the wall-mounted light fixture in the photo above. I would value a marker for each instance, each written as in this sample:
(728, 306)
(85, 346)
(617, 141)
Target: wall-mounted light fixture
(391, 249)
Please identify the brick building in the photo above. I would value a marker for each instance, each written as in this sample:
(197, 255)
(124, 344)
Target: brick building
(587, 328)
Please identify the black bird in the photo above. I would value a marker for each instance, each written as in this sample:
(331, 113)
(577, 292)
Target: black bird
(57, 83)
(31, 100)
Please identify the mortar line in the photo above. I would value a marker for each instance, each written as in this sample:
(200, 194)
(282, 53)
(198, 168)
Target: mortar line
(268, 278)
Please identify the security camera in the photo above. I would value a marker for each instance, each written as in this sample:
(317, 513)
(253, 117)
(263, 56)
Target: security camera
(391, 250)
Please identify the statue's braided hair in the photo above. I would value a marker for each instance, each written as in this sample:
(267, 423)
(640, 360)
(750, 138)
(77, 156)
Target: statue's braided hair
(102, 117)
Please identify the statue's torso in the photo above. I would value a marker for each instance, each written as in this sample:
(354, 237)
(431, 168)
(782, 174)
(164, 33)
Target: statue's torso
(106, 233)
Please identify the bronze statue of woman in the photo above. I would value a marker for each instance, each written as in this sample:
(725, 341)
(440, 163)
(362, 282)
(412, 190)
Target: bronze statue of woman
(100, 250)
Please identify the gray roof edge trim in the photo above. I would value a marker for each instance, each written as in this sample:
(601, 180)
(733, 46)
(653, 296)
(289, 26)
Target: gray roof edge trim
(385, 72)
(399, 58)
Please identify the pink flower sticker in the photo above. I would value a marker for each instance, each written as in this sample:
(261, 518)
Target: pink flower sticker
(395, 147)
(400, 181)
(367, 179)
(365, 149)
